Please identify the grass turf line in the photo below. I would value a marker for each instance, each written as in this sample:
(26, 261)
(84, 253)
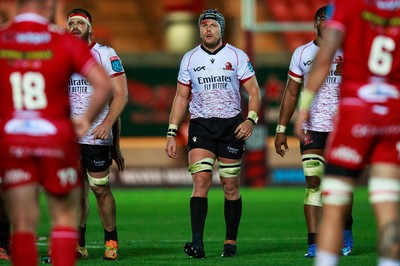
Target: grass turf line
(153, 225)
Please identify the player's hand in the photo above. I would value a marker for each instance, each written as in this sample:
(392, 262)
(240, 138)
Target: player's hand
(101, 132)
(244, 130)
(81, 126)
(118, 158)
(302, 117)
(281, 140)
(170, 148)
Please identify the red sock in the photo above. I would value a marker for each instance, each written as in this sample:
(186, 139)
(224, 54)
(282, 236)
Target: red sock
(63, 245)
(23, 249)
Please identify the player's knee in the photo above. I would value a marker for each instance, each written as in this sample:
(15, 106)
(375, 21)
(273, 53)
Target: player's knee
(383, 189)
(313, 196)
(336, 192)
(229, 170)
(95, 182)
(203, 165)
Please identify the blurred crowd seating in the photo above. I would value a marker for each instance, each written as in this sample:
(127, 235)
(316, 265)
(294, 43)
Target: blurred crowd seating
(140, 25)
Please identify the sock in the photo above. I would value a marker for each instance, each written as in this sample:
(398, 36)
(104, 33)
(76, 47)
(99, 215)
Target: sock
(23, 249)
(233, 213)
(82, 236)
(198, 214)
(325, 258)
(63, 245)
(5, 236)
(349, 223)
(311, 238)
(388, 262)
(113, 235)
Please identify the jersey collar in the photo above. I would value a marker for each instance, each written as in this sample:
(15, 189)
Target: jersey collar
(212, 53)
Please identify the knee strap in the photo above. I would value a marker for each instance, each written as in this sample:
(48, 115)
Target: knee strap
(229, 170)
(313, 196)
(383, 189)
(98, 181)
(204, 165)
(313, 165)
(336, 192)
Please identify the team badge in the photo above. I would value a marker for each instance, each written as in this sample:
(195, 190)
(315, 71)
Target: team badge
(228, 66)
(116, 64)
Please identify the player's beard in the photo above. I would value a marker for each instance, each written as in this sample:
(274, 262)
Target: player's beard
(212, 45)
(86, 36)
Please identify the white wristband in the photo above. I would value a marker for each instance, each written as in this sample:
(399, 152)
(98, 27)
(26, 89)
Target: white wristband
(280, 129)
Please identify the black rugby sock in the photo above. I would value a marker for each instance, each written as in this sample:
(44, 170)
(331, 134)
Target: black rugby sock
(233, 213)
(198, 214)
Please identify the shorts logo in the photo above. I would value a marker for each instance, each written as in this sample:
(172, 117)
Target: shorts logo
(194, 139)
(346, 154)
(13, 176)
(232, 150)
(116, 64)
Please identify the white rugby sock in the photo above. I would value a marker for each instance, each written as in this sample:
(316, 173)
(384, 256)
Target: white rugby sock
(388, 262)
(325, 258)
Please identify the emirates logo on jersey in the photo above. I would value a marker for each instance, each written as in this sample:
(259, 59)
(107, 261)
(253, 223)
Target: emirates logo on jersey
(228, 66)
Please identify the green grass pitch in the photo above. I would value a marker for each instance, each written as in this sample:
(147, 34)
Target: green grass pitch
(153, 226)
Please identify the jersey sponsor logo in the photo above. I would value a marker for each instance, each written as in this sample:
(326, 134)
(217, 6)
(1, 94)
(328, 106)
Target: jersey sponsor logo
(199, 68)
(79, 85)
(33, 38)
(31, 127)
(346, 154)
(378, 92)
(214, 82)
(34, 55)
(211, 79)
(308, 63)
(361, 130)
(116, 64)
(13, 176)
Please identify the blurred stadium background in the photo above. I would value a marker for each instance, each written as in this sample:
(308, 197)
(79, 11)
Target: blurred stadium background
(151, 37)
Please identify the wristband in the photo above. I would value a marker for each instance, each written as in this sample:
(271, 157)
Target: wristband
(172, 130)
(280, 129)
(307, 98)
(253, 117)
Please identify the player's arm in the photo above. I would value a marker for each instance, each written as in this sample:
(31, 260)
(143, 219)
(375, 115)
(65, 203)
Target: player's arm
(101, 89)
(119, 99)
(320, 68)
(116, 153)
(245, 129)
(178, 111)
(287, 108)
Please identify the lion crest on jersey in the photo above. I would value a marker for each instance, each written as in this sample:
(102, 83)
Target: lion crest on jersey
(228, 66)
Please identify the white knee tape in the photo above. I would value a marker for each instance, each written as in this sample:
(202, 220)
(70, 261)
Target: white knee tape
(336, 191)
(313, 196)
(383, 189)
(98, 181)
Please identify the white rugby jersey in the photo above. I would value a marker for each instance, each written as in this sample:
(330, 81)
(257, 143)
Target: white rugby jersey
(326, 100)
(215, 79)
(80, 90)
